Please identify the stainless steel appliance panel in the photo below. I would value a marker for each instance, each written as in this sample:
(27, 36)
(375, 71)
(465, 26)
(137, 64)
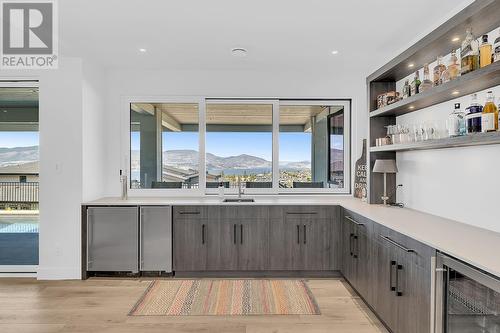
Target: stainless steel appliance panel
(156, 238)
(112, 239)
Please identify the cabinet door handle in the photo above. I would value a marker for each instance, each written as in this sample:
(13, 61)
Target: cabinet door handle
(350, 244)
(189, 213)
(141, 240)
(392, 264)
(241, 233)
(203, 234)
(298, 234)
(396, 244)
(305, 234)
(301, 213)
(234, 233)
(356, 246)
(354, 221)
(399, 292)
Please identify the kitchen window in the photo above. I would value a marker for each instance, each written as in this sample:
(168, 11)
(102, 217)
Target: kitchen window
(263, 146)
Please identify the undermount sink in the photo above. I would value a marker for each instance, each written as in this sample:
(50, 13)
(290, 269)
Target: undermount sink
(239, 200)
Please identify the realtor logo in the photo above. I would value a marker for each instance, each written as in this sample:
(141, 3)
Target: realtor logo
(29, 34)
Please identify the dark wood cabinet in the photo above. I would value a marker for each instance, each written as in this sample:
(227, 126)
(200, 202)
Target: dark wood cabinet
(256, 238)
(356, 250)
(190, 239)
(402, 295)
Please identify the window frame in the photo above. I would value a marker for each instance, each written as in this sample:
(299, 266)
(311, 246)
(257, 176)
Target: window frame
(346, 105)
(202, 101)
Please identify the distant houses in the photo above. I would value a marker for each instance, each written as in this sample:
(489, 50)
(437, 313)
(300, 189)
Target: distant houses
(19, 186)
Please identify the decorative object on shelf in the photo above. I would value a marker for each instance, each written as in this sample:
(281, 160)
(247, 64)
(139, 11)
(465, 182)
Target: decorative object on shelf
(496, 48)
(473, 116)
(438, 71)
(385, 167)
(456, 122)
(360, 175)
(469, 53)
(489, 117)
(426, 83)
(406, 89)
(382, 141)
(451, 72)
(387, 98)
(485, 51)
(415, 84)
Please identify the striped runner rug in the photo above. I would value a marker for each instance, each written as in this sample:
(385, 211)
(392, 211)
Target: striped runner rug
(226, 297)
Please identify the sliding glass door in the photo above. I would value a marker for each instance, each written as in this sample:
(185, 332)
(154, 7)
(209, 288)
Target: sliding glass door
(19, 174)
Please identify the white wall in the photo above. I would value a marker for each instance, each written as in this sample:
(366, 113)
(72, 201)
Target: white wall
(348, 81)
(93, 128)
(71, 155)
(458, 183)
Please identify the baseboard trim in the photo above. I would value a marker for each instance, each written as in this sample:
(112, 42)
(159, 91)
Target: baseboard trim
(259, 274)
(59, 273)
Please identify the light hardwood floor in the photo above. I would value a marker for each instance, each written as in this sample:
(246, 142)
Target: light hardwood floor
(101, 305)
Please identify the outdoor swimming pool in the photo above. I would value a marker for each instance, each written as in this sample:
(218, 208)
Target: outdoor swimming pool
(18, 239)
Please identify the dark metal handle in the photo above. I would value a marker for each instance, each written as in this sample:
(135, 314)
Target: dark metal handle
(396, 244)
(305, 234)
(350, 244)
(234, 233)
(202, 234)
(399, 292)
(354, 221)
(356, 246)
(298, 234)
(241, 233)
(392, 264)
(189, 213)
(301, 213)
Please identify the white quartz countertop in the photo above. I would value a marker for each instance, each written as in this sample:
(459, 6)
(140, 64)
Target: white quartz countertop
(477, 246)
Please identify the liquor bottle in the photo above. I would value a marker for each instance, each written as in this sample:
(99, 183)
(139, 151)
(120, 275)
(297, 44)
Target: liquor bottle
(426, 83)
(415, 84)
(469, 53)
(473, 115)
(489, 117)
(496, 48)
(438, 71)
(485, 52)
(406, 89)
(456, 122)
(453, 68)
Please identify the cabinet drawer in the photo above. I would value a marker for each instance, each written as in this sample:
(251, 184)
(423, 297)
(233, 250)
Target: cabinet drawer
(188, 212)
(419, 253)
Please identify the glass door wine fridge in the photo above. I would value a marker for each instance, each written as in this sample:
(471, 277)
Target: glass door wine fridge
(467, 299)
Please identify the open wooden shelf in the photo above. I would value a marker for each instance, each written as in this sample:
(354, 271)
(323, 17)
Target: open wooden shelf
(477, 139)
(480, 79)
(481, 16)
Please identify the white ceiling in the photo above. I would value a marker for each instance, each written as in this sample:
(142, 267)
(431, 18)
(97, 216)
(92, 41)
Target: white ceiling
(279, 34)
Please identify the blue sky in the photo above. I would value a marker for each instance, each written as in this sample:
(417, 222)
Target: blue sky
(293, 146)
(18, 139)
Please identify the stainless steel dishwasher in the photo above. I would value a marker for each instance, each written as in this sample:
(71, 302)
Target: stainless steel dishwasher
(112, 239)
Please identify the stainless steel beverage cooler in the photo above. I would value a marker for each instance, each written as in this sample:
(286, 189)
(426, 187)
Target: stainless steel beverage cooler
(467, 299)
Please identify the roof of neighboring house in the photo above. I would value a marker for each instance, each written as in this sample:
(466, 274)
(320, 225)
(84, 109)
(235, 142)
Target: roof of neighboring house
(30, 168)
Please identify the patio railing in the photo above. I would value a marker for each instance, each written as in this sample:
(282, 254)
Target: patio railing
(15, 192)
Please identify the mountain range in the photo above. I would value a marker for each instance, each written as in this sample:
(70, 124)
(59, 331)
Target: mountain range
(18, 155)
(185, 159)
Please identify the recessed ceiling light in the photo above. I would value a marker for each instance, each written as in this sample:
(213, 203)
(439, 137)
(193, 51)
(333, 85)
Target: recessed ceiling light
(142, 50)
(455, 39)
(239, 52)
(411, 65)
(411, 107)
(335, 52)
(456, 92)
